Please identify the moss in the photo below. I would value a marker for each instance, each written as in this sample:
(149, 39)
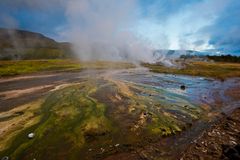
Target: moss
(68, 114)
(17, 123)
(164, 125)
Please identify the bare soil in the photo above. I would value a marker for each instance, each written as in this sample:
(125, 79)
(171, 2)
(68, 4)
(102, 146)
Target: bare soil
(221, 141)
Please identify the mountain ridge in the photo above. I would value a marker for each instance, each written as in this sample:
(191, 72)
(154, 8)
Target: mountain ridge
(18, 44)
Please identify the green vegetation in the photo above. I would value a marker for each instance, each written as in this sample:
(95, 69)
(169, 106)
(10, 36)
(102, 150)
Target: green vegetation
(19, 45)
(217, 58)
(225, 58)
(69, 117)
(217, 70)
(45, 53)
(36, 53)
(11, 68)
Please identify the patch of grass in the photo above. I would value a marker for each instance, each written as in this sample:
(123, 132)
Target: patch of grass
(218, 70)
(106, 65)
(44, 53)
(12, 68)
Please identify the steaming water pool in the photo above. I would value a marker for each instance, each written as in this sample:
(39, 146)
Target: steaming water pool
(109, 114)
(199, 90)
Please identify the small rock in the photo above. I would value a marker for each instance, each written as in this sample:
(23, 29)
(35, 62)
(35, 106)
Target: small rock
(197, 147)
(183, 87)
(204, 150)
(116, 145)
(232, 138)
(89, 149)
(144, 155)
(231, 153)
(237, 147)
(31, 135)
(233, 143)
(209, 134)
(213, 147)
(5, 158)
(186, 106)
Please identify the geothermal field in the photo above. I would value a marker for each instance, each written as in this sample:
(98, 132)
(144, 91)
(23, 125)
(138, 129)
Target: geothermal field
(119, 80)
(118, 111)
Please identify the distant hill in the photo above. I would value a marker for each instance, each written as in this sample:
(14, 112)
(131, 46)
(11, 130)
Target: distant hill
(20, 44)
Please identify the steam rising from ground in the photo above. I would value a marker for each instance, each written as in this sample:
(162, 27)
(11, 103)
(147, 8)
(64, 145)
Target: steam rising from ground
(129, 29)
(100, 30)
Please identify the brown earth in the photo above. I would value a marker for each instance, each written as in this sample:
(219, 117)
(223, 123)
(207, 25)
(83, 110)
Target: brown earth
(221, 141)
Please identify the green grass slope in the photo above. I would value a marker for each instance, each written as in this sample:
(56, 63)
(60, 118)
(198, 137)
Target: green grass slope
(19, 44)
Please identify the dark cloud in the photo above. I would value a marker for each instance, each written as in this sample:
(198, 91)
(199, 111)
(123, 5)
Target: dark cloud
(224, 33)
(227, 39)
(42, 5)
(199, 42)
(45, 16)
(191, 24)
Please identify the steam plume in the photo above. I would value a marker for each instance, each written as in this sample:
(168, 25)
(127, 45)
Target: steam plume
(129, 29)
(100, 30)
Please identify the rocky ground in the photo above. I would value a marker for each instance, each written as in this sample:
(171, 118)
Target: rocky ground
(221, 141)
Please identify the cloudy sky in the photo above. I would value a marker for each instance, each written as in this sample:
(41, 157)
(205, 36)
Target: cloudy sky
(163, 24)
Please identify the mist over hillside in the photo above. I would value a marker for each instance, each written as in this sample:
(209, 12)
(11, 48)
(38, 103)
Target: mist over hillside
(24, 45)
(19, 44)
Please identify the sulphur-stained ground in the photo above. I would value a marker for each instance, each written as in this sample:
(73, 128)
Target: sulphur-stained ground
(116, 114)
